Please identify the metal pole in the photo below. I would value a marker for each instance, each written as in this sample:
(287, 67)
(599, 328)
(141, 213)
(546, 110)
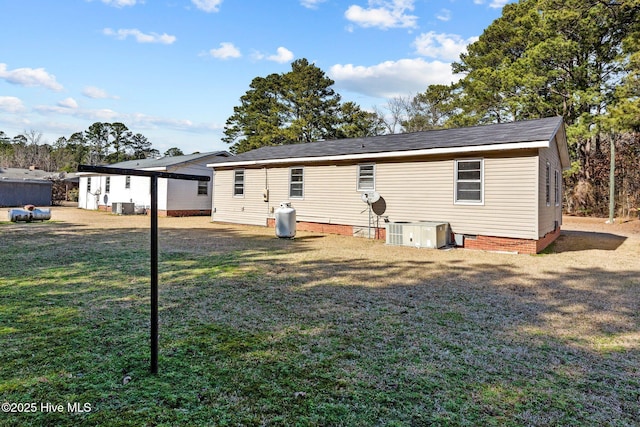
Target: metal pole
(154, 274)
(612, 180)
(153, 175)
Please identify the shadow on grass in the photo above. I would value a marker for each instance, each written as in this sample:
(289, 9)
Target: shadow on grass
(256, 330)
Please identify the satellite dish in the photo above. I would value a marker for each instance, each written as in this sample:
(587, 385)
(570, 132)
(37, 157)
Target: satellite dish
(379, 207)
(370, 197)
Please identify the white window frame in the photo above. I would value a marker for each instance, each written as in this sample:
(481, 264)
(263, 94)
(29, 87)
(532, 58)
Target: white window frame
(359, 186)
(89, 184)
(235, 183)
(301, 196)
(456, 181)
(547, 185)
(127, 181)
(107, 184)
(558, 185)
(202, 185)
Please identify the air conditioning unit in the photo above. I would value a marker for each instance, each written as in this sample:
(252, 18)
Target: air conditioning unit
(423, 234)
(123, 208)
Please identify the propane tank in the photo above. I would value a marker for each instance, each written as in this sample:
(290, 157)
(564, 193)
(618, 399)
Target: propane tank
(285, 221)
(29, 215)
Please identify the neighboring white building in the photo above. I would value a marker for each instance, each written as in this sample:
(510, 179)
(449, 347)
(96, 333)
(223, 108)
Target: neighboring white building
(175, 197)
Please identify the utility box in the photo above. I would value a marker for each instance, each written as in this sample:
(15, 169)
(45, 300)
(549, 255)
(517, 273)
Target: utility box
(423, 234)
(123, 208)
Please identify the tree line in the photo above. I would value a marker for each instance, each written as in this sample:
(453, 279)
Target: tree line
(101, 143)
(578, 59)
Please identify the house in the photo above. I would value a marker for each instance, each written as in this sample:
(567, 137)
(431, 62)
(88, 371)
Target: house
(175, 197)
(499, 187)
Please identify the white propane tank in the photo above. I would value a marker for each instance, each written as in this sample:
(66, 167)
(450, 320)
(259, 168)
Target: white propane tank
(285, 221)
(16, 215)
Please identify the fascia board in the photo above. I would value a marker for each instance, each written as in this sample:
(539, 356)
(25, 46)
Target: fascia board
(389, 154)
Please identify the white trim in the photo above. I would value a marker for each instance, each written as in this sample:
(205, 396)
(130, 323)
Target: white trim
(296, 197)
(358, 188)
(389, 154)
(233, 184)
(557, 187)
(547, 184)
(455, 182)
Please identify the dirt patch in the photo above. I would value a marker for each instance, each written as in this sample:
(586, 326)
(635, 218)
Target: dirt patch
(621, 226)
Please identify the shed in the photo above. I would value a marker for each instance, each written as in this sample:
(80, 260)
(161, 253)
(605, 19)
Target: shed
(19, 187)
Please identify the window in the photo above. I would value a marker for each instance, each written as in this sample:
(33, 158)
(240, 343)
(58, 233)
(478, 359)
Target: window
(107, 184)
(547, 185)
(296, 183)
(127, 181)
(557, 187)
(89, 185)
(238, 183)
(366, 177)
(203, 188)
(469, 181)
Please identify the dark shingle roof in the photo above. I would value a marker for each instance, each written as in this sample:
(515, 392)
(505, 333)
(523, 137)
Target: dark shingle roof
(504, 133)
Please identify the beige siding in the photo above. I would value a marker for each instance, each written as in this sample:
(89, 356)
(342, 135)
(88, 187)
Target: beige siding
(249, 209)
(548, 215)
(417, 190)
(424, 191)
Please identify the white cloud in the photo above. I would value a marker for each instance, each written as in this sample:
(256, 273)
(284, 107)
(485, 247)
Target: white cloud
(133, 120)
(97, 93)
(225, 51)
(30, 77)
(207, 5)
(311, 4)
(383, 14)
(11, 104)
(103, 115)
(495, 4)
(140, 36)
(283, 55)
(444, 15)
(120, 3)
(498, 4)
(392, 78)
(68, 103)
(447, 47)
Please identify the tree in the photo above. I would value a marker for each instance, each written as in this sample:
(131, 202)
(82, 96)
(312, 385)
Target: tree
(295, 107)
(173, 151)
(356, 123)
(311, 104)
(6, 150)
(97, 137)
(259, 118)
(141, 147)
(120, 140)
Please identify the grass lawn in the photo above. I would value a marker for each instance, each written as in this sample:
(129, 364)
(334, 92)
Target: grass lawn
(320, 330)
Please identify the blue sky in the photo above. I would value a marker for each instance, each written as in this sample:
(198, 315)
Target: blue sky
(174, 69)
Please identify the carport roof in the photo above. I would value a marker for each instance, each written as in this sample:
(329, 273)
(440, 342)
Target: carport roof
(164, 162)
(514, 135)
